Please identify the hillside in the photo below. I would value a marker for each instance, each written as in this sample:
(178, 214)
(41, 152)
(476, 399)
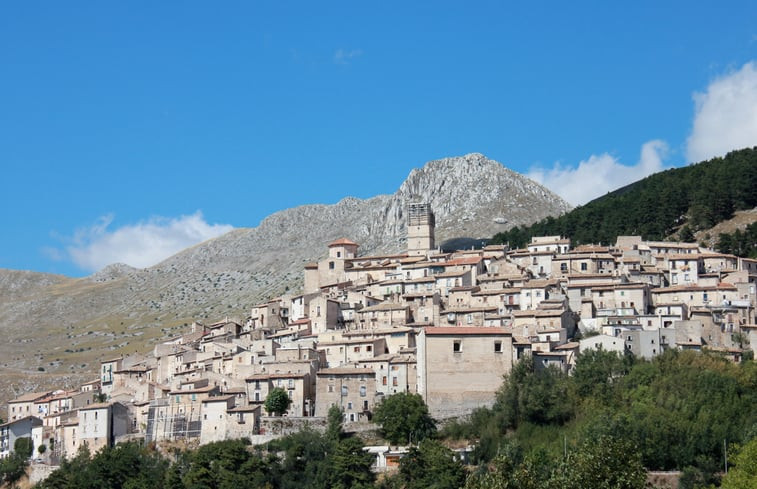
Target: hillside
(697, 196)
(57, 328)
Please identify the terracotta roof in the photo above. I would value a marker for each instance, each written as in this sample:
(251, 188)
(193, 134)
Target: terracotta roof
(469, 260)
(467, 331)
(32, 396)
(342, 242)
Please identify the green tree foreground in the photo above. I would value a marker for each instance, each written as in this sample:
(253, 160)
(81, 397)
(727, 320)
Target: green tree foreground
(404, 418)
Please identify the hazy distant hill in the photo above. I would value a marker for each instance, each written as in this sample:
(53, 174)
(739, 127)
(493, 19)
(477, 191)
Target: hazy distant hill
(671, 203)
(65, 325)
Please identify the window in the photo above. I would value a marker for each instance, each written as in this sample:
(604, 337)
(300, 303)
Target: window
(194, 397)
(394, 381)
(291, 383)
(368, 348)
(497, 347)
(383, 380)
(470, 318)
(456, 346)
(563, 267)
(349, 405)
(363, 391)
(344, 390)
(583, 267)
(331, 388)
(357, 349)
(338, 254)
(331, 265)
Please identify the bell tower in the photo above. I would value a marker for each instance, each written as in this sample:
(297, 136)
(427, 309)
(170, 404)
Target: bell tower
(420, 229)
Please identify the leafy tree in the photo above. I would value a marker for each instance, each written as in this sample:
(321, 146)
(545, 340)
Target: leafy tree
(596, 373)
(13, 468)
(226, 464)
(335, 419)
(431, 465)
(404, 417)
(306, 460)
(24, 447)
(534, 395)
(602, 463)
(127, 465)
(505, 472)
(743, 474)
(686, 235)
(277, 402)
(351, 466)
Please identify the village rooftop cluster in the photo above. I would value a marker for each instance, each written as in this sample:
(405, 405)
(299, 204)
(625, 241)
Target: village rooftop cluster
(447, 326)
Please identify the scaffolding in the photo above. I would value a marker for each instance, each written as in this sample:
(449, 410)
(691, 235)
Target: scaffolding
(420, 214)
(173, 422)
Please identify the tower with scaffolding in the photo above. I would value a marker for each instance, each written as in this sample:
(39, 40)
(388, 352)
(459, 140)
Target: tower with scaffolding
(420, 229)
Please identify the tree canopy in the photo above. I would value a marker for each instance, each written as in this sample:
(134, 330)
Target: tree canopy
(404, 418)
(277, 402)
(684, 199)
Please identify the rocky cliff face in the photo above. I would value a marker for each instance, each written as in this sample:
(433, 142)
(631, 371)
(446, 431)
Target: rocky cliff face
(65, 326)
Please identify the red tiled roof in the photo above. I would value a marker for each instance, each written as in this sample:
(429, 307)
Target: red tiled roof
(342, 242)
(469, 331)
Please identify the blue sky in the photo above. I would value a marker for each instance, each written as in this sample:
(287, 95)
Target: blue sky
(129, 130)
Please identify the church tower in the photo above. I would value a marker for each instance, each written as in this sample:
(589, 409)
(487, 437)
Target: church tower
(420, 229)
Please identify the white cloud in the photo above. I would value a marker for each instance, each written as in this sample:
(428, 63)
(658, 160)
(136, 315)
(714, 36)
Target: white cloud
(726, 115)
(140, 245)
(598, 175)
(343, 56)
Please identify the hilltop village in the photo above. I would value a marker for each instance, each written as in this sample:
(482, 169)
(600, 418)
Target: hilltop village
(445, 325)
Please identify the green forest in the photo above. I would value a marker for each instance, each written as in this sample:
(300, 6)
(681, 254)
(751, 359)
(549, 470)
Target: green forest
(603, 426)
(673, 202)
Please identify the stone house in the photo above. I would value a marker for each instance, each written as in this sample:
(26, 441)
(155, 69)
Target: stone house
(461, 368)
(22, 406)
(351, 389)
(101, 424)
